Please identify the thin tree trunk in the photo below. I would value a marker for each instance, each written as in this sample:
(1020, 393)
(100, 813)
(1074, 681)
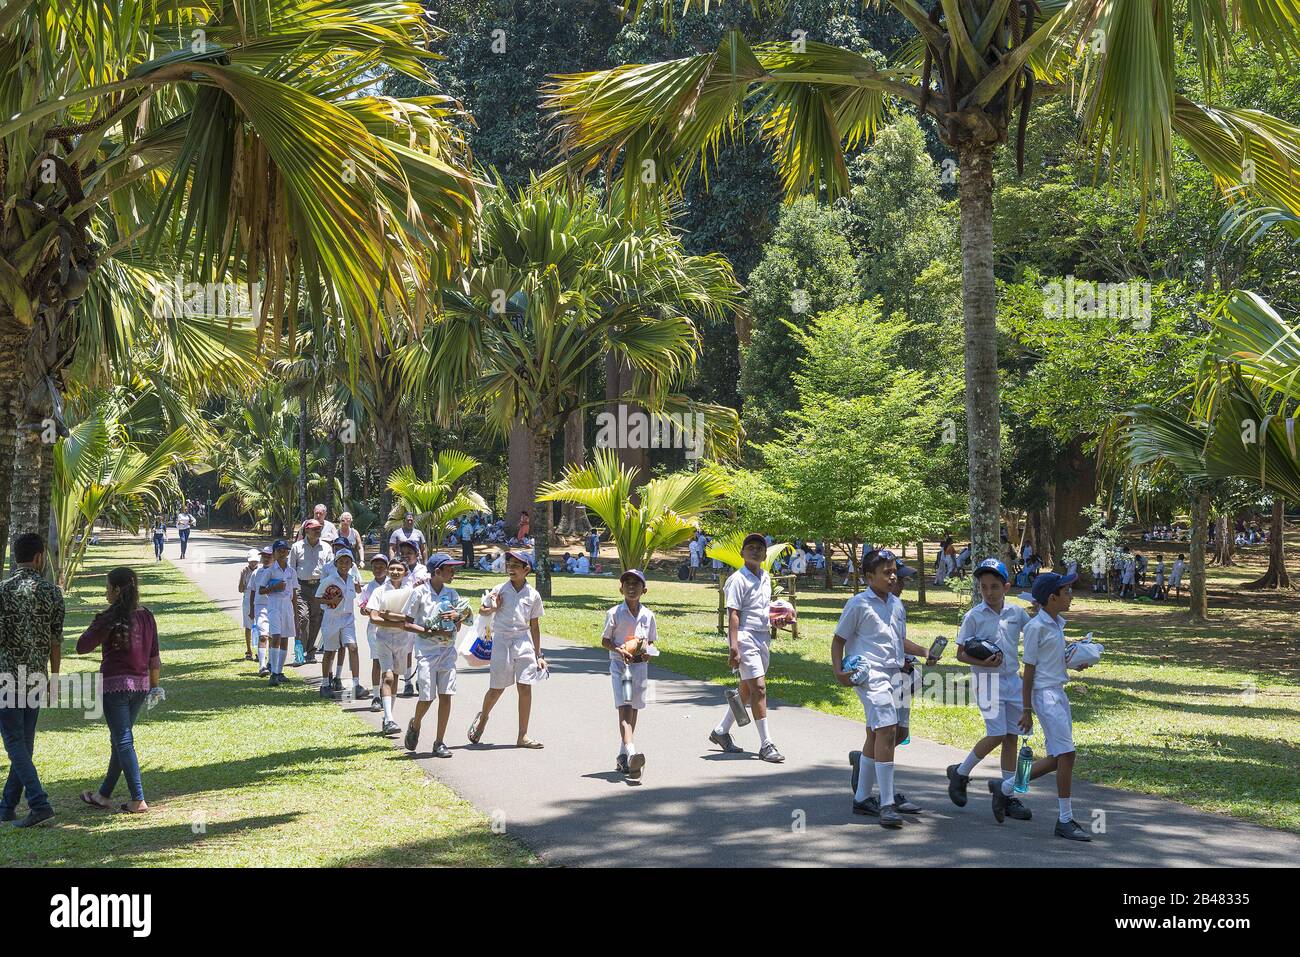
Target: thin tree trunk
(574, 454)
(519, 481)
(331, 473)
(979, 302)
(540, 527)
(1196, 580)
(304, 507)
(920, 573)
(1276, 576)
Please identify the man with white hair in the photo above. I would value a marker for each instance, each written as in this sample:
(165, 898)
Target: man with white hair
(328, 530)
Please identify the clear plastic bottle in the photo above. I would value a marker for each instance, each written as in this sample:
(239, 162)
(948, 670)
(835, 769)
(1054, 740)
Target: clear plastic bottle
(1024, 765)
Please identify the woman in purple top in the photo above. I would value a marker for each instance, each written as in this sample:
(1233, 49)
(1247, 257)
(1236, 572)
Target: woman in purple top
(130, 669)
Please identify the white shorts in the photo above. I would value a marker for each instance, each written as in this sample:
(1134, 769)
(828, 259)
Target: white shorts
(513, 659)
(882, 697)
(338, 634)
(277, 619)
(249, 621)
(1054, 717)
(640, 681)
(1001, 717)
(754, 655)
(392, 648)
(435, 669)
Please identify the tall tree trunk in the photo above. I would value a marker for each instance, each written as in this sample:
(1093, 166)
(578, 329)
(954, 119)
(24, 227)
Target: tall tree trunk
(520, 484)
(920, 573)
(304, 507)
(1276, 576)
(1225, 545)
(618, 381)
(540, 527)
(573, 517)
(331, 473)
(979, 304)
(1196, 583)
(384, 456)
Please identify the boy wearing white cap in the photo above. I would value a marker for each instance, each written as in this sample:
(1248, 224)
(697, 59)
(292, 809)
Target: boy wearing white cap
(250, 625)
(278, 617)
(629, 631)
(338, 589)
(1044, 692)
(989, 641)
(748, 594)
(392, 640)
(433, 613)
(515, 608)
(873, 627)
(253, 605)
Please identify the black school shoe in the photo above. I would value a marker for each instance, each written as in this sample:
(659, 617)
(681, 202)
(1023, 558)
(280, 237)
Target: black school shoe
(1071, 831)
(621, 764)
(903, 806)
(1017, 811)
(889, 817)
(855, 762)
(725, 743)
(957, 785)
(999, 801)
(389, 728)
(769, 753)
(634, 765)
(39, 818)
(440, 750)
(869, 807)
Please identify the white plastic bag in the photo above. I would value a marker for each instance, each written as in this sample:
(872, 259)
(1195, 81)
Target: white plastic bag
(1081, 654)
(474, 644)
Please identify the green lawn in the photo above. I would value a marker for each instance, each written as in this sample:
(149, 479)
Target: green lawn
(1208, 715)
(238, 774)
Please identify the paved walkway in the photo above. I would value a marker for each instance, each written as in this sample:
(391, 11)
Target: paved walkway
(698, 807)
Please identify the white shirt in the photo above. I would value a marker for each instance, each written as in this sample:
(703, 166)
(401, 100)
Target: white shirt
(366, 592)
(582, 566)
(310, 561)
(416, 575)
(751, 595)
(1045, 650)
(348, 585)
(799, 564)
(377, 602)
(273, 574)
(1126, 576)
(1177, 576)
(874, 628)
(518, 608)
(425, 607)
(621, 625)
(695, 550)
(499, 563)
(256, 581)
(1002, 629)
(184, 520)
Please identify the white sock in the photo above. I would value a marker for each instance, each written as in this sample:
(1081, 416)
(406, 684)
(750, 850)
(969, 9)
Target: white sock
(1008, 775)
(622, 749)
(728, 720)
(338, 668)
(631, 748)
(866, 778)
(1066, 812)
(261, 657)
(275, 660)
(763, 736)
(1008, 785)
(968, 763)
(388, 707)
(885, 773)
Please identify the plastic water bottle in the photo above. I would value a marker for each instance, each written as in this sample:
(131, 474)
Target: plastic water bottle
(627, 684)
(1024, 765)
(299, 657)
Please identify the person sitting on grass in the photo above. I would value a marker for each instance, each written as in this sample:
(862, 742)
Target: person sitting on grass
(130, 668)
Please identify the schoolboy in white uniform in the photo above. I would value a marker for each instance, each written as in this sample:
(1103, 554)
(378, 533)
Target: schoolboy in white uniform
(417, 574)
(748, 594)
(254, 602)
(628, 621)
(434, 612)
(996, 681)
(393, 640)
(1176, 577)
(517, 657)
(253, 563)
(873, 626)
(338, 589)
(1044, 693)
(278, 618)
(379, 569)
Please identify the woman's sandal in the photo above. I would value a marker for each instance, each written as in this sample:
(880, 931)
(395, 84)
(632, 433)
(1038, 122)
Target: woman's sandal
(87, 797)
(126, 809)
(527, 742)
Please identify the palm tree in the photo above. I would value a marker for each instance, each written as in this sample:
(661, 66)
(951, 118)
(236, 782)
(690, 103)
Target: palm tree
(265, 485)
(663, 516)
(243, 132)
(434, 501)
(975, 67)
(557, 283)
(101, 475)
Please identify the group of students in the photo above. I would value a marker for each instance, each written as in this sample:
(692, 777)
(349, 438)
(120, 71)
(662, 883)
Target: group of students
(414, 614)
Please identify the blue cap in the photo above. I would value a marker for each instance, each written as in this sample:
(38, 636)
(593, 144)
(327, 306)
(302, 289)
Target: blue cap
(438, 560)
(343, 553)
(278, 544)
(634, 573)
(1048, 583)
(992, 565)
